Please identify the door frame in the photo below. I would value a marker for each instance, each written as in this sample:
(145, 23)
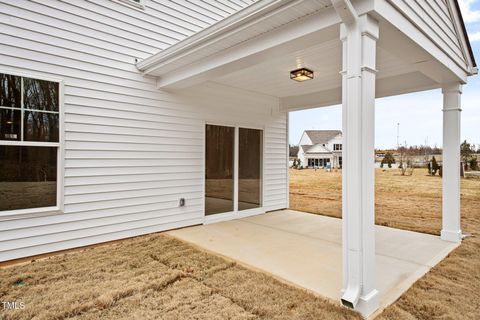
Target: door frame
(235, 214)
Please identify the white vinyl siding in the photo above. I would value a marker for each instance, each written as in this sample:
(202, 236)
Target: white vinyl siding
(131, 150)
(434, 18)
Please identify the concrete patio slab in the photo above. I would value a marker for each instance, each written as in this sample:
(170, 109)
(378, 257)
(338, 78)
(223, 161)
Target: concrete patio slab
(306, 250)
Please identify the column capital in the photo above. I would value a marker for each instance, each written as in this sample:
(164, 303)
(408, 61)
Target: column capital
(369, 26)
(365, 23)
(455, 87)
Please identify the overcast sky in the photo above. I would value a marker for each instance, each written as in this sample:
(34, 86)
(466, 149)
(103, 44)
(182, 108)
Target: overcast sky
(419, 114)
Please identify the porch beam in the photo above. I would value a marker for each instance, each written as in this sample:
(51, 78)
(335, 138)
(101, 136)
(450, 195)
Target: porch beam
(317, 99)
(358, 211)
(451, 229)
(385, 86)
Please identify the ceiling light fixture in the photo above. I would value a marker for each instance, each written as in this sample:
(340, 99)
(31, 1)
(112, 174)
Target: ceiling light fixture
(302, 74)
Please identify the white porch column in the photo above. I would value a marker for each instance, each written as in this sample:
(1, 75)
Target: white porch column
(358, 205)
(451, 163)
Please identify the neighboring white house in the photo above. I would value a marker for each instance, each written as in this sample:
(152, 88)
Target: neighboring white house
(126, 117)
(320, 148)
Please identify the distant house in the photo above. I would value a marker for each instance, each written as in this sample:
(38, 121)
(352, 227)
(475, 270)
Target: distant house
(321, 148)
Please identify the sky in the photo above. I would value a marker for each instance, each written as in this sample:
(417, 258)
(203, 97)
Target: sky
(419, 114)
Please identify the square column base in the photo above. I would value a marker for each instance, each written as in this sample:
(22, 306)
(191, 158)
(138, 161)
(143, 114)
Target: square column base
(368, 304)
(452, 236)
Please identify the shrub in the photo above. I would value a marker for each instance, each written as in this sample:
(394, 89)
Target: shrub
(435, 166)
(473, 164)
(388, 159)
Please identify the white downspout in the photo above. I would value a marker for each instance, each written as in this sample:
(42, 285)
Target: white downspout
(349, 17)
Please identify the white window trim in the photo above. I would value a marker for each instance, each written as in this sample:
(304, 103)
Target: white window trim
(59, 208)
(235, 214)
(138, 5)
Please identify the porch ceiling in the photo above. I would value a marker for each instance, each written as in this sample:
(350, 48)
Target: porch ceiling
(272, 76)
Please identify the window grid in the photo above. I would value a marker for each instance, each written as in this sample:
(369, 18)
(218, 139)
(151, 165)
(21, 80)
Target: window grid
(22, 110)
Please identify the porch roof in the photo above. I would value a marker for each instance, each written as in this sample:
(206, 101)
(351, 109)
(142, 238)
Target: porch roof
(256, 19)
(269, 29)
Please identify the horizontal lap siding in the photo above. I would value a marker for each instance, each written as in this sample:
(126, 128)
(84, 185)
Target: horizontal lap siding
(276, 162)
(131, 151)
(434, 18)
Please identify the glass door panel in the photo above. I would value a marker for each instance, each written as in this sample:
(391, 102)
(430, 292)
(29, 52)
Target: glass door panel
(219, 169)
(250, 151)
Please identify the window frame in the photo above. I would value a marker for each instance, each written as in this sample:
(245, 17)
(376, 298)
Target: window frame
(235, 214)
(60, 145)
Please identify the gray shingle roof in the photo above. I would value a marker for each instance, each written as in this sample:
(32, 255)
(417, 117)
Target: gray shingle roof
(322, 136)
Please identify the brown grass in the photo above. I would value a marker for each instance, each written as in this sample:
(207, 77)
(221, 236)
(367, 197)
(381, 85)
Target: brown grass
(153, 277)
(450, 290)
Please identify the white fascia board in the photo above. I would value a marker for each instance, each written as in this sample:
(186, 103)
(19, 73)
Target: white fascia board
(315, 28)
(215, 32)
(388, 11)
(462, 37)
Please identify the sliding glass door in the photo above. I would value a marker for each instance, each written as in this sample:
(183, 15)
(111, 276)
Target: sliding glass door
(233, 169)
(249, 168)
(219, 169)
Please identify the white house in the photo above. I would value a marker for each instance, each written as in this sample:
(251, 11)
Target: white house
(320, 148)
(125, 117)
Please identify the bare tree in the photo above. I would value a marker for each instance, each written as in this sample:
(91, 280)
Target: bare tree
(406, 162)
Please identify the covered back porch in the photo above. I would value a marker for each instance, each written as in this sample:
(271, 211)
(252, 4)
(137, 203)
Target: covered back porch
(358, 51)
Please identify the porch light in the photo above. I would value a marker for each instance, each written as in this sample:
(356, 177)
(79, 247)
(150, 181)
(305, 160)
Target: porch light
(302, 74)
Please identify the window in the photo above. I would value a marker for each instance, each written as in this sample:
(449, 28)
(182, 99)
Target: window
(337, 147)
(250, 154)
(29, 143)
(219, 169)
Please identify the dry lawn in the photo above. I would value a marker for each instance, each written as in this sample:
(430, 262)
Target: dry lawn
(153, 277)
(450, 290)
(158, 277)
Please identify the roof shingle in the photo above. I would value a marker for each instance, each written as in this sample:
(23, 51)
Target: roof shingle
(322, 136)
